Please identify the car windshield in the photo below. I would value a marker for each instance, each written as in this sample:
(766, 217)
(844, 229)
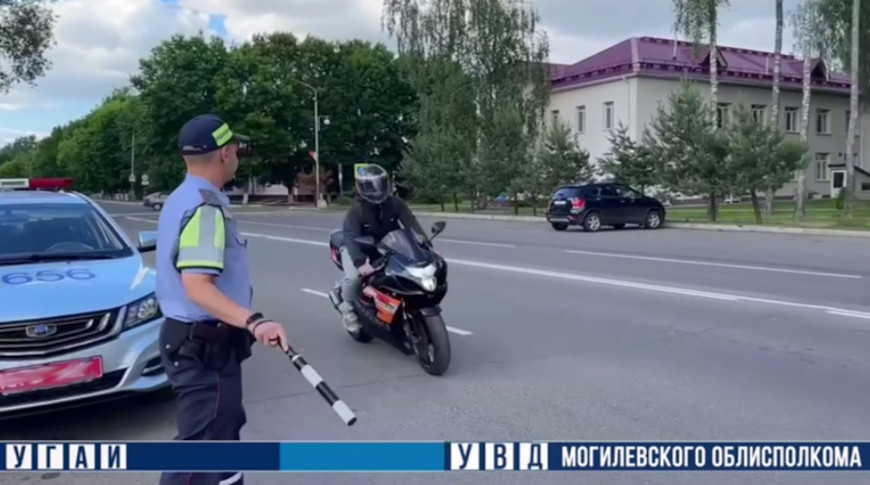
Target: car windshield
(404, 243)
(41, 232)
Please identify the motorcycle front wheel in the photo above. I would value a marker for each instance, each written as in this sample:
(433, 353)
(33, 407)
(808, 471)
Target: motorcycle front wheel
(433, 349)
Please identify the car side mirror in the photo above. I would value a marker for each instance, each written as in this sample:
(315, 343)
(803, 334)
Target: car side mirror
(438, 227)
(147, 241)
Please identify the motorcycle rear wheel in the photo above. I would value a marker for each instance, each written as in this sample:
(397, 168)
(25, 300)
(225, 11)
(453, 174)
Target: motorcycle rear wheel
(433, 350)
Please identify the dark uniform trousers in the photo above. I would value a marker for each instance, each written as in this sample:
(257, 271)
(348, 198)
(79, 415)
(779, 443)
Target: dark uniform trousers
(203, 364)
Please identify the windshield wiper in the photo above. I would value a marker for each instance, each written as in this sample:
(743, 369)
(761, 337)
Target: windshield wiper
(39, 257)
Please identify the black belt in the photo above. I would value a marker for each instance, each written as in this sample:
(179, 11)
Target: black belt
(207, 330)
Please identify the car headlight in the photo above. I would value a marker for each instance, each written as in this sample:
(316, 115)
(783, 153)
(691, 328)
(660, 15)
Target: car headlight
(141, 311)
(424, 276)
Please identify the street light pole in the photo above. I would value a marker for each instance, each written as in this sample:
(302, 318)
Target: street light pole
(316, 143)
(133, 166)
(316, 151)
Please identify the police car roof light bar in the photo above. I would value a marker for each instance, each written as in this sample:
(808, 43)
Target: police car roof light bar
(344, 412)
(58, 184)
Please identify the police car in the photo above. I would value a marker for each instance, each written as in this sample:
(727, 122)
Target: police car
(79, 320)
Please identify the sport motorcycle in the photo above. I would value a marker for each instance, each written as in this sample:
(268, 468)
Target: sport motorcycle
(399, 302)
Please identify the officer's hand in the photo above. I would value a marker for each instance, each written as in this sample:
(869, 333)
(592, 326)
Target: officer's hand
(271, 334)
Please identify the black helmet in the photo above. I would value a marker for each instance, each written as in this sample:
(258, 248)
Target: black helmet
(371, 182)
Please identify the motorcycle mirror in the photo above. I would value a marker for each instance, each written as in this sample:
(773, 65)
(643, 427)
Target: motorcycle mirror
(438, 227)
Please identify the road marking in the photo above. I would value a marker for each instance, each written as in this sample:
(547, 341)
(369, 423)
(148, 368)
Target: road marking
(141, 219)
(475, 243)
(660, 288)
(326, 229)
(708, 263)
(850, 313)
(289, 226)
(457, 331)
(621, 283)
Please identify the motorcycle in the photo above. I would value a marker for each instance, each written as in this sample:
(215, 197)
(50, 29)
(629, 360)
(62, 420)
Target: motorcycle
(399, 302)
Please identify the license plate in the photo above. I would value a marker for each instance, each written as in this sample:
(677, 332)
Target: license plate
(559, 202)
(56, 374)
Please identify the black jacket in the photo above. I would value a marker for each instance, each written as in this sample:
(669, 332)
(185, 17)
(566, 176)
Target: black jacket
(363, 219)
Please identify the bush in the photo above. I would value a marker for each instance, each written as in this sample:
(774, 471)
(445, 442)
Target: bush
(342, 200)
(840, 201)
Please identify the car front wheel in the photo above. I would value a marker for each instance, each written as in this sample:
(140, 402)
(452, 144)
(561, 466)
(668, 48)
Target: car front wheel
(653, 219)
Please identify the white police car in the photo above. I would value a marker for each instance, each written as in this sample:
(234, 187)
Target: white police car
(79, 321)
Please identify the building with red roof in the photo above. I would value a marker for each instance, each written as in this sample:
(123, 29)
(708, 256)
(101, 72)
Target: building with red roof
(626, 82)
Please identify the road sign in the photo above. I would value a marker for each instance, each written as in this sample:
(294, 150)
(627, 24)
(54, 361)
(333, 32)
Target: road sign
(145, 179)
(131, 178)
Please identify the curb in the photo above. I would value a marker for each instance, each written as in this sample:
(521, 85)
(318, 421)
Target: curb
(673, 225)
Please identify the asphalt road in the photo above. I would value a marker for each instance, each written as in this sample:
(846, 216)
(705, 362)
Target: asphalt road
(635, 335)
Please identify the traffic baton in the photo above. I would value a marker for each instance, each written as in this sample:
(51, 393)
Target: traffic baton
(317, 382)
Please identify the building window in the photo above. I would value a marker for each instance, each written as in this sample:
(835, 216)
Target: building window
(608, 115)
(581, 119)
(554, 117)
(791, 120)
(823, 122)
(758, 113)
(822, 166)
(722, 112)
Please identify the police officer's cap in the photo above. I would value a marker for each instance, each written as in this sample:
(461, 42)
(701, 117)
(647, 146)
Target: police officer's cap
(207, 133)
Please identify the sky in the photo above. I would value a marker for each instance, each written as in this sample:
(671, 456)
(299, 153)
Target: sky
(99, 42)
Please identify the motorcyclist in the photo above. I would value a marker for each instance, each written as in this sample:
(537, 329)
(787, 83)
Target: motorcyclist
(375, 212)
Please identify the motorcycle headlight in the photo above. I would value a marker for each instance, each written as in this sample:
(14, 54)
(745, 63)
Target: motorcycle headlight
(141, 311)
(424, 276)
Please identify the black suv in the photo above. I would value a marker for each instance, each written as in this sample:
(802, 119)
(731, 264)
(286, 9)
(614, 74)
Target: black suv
(605, 204)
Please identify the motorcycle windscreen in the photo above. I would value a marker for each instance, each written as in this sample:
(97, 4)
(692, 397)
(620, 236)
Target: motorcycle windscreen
(404, 243)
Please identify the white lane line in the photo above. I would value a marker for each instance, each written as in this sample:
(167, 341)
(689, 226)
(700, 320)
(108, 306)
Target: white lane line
(474, 243)
(660, 288)
(140, 219)
(850, 313)
(613, 282)
(708, 263)
(457, 331)
(326, 229)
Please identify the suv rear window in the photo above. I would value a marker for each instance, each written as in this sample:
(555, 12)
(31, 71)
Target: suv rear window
(568, 192)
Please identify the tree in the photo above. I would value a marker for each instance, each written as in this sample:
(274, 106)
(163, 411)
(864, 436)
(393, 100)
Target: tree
(760, 156)
(697, 19)
(20, 145)
(628, 161)
(777, 68)
(810, 34)
(438, 162)
(561, 160)
(175, 83)
(26, 33)
(692, 152)
(500, 45)
(855, 68)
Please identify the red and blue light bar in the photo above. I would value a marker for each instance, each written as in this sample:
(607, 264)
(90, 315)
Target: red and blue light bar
(56, 183)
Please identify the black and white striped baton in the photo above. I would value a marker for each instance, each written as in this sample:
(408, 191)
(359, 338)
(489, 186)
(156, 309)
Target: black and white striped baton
(313, 378)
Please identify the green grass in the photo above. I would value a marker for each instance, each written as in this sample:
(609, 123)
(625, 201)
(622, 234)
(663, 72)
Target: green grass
(820, 214)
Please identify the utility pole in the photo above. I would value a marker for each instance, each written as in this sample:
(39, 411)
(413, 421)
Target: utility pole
(133, 166)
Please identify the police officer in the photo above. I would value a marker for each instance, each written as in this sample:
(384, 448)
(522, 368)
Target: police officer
(204, 290)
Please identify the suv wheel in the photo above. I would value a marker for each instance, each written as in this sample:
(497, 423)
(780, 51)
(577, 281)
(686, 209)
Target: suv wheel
(157, 206)
(592, 222)
(653, 219)
(559, 226)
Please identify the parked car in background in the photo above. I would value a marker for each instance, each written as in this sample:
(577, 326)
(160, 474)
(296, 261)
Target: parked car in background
(603, 204)
(155, 201)
(79, 319)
